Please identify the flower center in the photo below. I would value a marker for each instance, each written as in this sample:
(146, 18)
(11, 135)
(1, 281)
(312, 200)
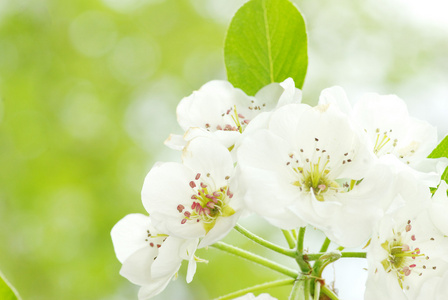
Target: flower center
(314, 175)
(404, 258)
(383, 139)
(208, 203)
(233, 121)
(385, 145)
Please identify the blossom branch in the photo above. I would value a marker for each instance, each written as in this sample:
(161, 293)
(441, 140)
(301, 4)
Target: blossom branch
(325, 245)
(298, 290)
(316, 256)
(303, 264)
(329, 293)
(255, 258)
(300, 239)
(294, 234)
(316, 290)
(289, 238)
(263, 286)
(263, 242)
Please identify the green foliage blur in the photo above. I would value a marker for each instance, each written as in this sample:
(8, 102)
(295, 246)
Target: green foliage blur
(88, 91)
(71, 164)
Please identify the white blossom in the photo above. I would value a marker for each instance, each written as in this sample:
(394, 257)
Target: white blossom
(220, 111)
(392, 131)
(407, 253)
(150, 258)
(311, 166)
(199, 198)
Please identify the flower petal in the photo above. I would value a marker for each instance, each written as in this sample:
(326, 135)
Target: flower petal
(165, 188)
(129, 234)
(207, 156)
(168, 259)
(137, 267)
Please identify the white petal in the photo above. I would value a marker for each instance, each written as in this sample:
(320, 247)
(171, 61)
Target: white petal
(137, 267)
(286, 121)
(152, 289)
(262, 158)
(259, 122)
(291, 93)
(269, 95)
(166, 186)
(429, 174)
(336, 96)
(436, 288)
(384, 112)
(191, 270)
(168, 259)
(425, 134)
(204, 155)
(439, 208)
(226, 138)
(348, 218)
(276, 95)
(222, 227)
(335, 134)
(175, 142)
(129, 234)
(207, 105)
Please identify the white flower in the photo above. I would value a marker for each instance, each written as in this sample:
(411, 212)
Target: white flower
(150, 258)
(407, 252)
(221, 111)
(196, 199)
(251, 296)
(391, 131)
(311, 166)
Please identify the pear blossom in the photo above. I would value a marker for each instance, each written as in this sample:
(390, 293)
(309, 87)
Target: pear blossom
(150, 258)
(392, 131)
(407, 253)
(221, 111)
(310, 166)
(199, 198)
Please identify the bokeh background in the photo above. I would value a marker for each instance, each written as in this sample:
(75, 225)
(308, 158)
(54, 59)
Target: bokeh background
(88, 90)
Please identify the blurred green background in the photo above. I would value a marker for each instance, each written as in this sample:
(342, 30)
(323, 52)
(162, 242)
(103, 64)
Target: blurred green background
(88, 91)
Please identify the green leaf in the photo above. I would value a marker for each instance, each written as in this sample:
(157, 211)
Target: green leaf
(266, 42)
(7, 292)
(441, 151)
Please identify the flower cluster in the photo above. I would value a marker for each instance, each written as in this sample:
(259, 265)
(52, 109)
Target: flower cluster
(360, 174)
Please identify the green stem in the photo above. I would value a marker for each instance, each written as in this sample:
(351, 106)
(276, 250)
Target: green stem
(329, 293)
(255, 258)
(254, 288)
(301, 289)
(264, 243)
(300, 239)
(315, 256)
(307, 289)
(294, 234)
(289, 238)
(301, 261)
(325, 245)
(316, 290)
